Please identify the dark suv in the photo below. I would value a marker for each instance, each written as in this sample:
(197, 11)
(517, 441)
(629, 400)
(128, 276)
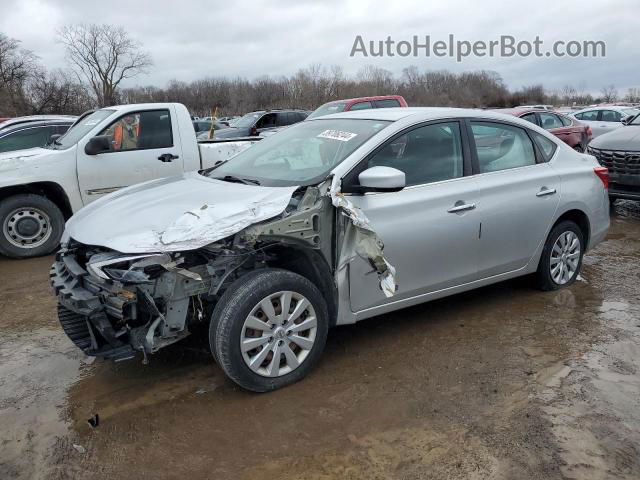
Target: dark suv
(255, 123)
(35, 131)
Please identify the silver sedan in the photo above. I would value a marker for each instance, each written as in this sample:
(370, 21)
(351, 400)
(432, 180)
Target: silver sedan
(329, 222)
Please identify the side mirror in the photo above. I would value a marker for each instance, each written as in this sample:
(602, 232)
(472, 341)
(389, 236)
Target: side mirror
(627, 120)
(382, 179)
(53, 138)
(98, 144)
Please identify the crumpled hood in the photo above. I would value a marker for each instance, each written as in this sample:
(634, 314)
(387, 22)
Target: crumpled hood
(175, 214)
(623, 138)
(23, 158)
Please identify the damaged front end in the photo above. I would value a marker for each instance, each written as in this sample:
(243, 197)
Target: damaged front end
(113, 305)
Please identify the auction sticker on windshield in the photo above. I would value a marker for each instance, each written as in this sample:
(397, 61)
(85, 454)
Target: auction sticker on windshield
(337, 135)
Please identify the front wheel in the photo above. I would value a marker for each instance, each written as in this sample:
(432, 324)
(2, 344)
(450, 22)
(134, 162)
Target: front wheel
(30, 226)
(561, 258)
(269, 329)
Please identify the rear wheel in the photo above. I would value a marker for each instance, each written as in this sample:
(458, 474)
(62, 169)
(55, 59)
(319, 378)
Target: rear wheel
(269, 329)
(561, 258)
(30, 226)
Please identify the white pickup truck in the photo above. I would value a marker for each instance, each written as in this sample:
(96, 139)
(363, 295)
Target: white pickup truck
(104, 151)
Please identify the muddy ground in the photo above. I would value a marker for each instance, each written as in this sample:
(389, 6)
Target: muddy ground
(505, 382)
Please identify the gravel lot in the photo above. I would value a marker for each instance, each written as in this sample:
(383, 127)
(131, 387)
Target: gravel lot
(505, 382)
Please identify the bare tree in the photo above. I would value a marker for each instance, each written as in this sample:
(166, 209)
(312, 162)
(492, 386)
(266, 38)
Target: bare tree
(609, 94)
(633, 95)
(17, 67)
(104, 55)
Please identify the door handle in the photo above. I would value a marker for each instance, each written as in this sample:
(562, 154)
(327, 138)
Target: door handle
(461, 207)
(167, 157)
(545, 191)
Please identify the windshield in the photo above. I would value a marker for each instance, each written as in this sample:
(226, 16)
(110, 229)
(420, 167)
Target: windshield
(302, 154)
(630, 111)
(81, 128)
(248, 120)
(327, 108)
(635, 121)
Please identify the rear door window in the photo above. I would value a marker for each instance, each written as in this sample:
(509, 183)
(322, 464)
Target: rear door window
(501, 147)
(387, 103)
(566, 121)
(590, 116)
(611, 116)
(550, 121)
(283, 119)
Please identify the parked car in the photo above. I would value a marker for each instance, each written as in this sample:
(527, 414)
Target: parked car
(104, 151)
(34, 131)
(362, 103)
(308, 228)
(619, 151)
(569, 130)
(203, 128)
(605, 118)
(254, 123)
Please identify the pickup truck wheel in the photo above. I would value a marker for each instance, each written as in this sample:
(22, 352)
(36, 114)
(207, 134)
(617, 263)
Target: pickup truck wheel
(269, 329)
(30, 226)
(561, 258)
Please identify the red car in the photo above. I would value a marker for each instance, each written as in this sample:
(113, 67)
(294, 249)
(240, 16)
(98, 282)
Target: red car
(362, 103)
(572, 132)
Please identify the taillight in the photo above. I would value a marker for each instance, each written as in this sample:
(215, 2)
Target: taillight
(589, 132)
(603, 174)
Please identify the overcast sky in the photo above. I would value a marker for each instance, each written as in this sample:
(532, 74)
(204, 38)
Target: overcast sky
(190, 39)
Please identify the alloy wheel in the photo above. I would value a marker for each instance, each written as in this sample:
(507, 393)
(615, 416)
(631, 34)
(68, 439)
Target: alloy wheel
(565, 257)
(278, 334)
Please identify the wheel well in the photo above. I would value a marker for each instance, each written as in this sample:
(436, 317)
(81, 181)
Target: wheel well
(311, 265)
(579, 218)
(49, 190)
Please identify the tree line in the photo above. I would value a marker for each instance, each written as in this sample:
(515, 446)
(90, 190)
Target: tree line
(101, 57)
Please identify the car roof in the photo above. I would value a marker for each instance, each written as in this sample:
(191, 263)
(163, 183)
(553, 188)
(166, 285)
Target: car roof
(617, 108)
(20, 121)
(417, 113)
(364, 99)
(517, 111)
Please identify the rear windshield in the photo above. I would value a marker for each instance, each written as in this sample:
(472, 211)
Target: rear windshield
(302, 154)
(328, 108)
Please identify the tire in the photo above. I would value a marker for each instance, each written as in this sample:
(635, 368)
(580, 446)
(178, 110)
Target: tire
(546, 276)
(41, 229)
(228, 329)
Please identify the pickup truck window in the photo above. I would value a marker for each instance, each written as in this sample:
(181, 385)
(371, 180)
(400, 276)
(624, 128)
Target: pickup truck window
(80, 129)
(302, 154)
(140, 131)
